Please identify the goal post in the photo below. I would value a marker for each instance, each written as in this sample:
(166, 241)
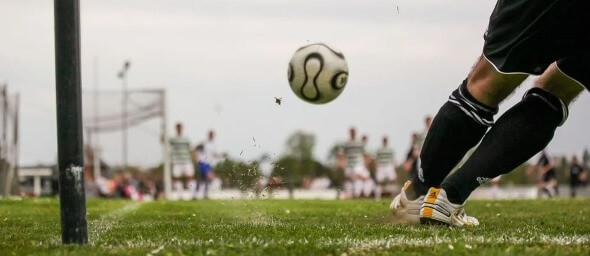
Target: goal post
(166, 149)
(69, 122)
(9, 144)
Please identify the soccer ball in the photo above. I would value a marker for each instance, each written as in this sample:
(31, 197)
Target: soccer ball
(317, 73)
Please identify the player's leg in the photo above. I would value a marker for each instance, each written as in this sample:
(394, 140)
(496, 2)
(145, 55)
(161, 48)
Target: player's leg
(340, 181)
(386, 178)
(554, 186)
(348, 183)
(177, 181)
(379, 182)
(201, 168)
(378, 190)
(544, 32)
(190, 181)
(357, 184)
(186, 179)
(368, 186)
(543, 192)
(521, 132)
(208, 177)
(461, 122)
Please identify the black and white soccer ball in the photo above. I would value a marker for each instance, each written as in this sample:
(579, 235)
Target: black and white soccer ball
(318, 73)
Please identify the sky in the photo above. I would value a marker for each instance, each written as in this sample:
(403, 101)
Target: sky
(222, 62)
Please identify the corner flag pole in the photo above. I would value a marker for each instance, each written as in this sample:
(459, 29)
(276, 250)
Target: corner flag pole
(69, 122)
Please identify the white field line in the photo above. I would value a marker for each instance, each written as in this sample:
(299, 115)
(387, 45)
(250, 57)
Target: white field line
(364, 244)
(257, 218)
(106, 222)
(396, 241)
(98, 227)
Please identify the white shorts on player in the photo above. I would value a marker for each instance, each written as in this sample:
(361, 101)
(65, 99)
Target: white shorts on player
(360, 177)
(183, 170)
(358, 172)
(385, 174)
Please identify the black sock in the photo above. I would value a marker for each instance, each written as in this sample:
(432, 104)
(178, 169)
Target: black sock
(520, 133)
(457, 127)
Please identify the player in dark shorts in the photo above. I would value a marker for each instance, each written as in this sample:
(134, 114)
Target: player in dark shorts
(576, 176)
(548, 179)
(411, 163)
(549, 38)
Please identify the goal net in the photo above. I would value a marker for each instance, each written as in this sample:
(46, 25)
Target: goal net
(126, 130)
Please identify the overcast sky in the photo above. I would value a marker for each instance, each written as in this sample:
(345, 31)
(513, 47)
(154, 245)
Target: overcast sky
(223, 61)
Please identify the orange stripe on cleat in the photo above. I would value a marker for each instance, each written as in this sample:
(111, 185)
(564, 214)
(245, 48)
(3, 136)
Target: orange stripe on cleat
(427, 212)
(432, 195)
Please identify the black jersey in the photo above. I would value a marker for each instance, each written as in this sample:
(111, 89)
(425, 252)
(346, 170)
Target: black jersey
(575, 171)
(414, 168)
(544, 161)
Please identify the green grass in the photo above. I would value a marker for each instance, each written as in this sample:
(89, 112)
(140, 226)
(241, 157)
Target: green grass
(255, 227)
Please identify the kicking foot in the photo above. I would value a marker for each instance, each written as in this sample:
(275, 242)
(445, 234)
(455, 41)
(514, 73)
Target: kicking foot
(437, 209)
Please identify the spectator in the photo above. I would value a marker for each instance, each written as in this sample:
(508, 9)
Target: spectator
(576, 176)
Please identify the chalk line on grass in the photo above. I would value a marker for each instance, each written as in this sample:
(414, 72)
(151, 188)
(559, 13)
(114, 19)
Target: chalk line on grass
(363, 243)
(106, 222)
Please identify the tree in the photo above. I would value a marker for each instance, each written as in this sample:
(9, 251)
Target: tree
(299, 161)
(300, 145)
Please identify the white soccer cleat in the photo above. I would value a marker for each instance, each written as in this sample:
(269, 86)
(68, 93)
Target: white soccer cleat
(406, 211)
(437, 209)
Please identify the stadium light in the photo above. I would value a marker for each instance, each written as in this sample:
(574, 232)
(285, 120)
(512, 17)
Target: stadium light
(69, 122)
(123, 76)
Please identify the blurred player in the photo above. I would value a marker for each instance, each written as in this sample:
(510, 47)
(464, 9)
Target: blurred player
(207, 154)
(385, 174)
(547, 176)
(547, 38)
(411, 163)
(577, 176)
(353, 157)
(422, 135)
(182, 165)
(586, 159)
(369, 182)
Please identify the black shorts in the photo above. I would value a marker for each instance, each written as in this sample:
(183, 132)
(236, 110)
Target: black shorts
(526, 36)
(549, 175)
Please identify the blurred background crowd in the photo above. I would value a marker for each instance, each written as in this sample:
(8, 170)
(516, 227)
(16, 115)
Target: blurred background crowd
(208, 171)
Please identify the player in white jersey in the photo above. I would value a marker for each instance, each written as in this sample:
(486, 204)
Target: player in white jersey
(207, 154)
(183, 171)
(354, 165)
(385, 174)
(368, 183)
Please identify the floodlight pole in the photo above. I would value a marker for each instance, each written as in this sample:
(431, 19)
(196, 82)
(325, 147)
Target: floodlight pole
(95, 147)
(69, 122)
(123, 75)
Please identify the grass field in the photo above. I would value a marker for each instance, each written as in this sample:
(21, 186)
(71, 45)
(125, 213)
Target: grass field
(255, 227)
